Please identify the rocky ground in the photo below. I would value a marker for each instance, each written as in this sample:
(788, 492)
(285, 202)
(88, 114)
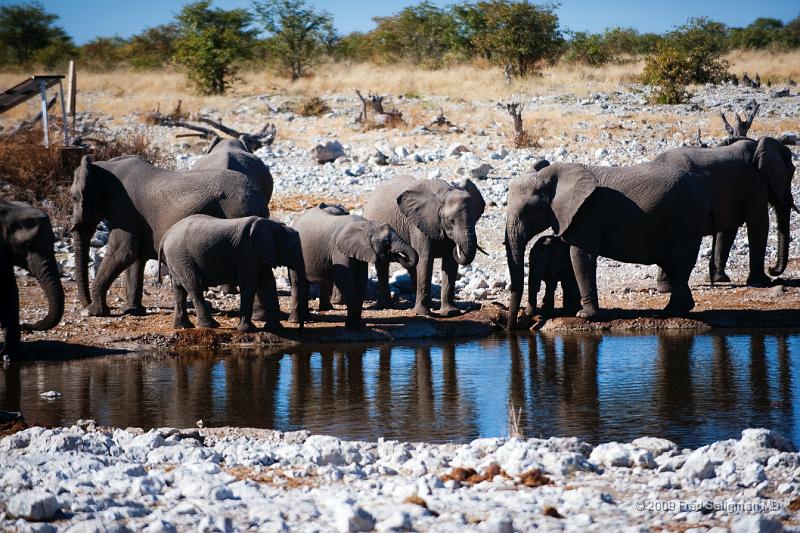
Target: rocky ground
(83, 478)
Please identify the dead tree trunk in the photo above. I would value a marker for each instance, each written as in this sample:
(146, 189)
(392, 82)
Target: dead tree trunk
(382, 117)
(521, 137)
(742, 125)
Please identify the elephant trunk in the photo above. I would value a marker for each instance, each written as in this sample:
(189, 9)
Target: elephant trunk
(466, 247)
(81, 241)
(783, 241)
(45, 269)
(515, 242)
(404, 254)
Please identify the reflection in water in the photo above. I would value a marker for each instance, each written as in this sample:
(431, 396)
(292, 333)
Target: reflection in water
(691, 389)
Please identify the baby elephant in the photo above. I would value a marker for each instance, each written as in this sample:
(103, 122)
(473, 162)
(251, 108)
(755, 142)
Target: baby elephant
(337, 249)
(203, 251)
(550, 262)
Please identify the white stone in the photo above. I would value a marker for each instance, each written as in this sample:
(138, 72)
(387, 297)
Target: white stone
(697, 466)
(755, 524)
(350, 517)
(35, 505)
(455, 150)
(328, 152)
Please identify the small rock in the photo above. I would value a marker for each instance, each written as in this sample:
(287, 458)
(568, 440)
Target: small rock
(481, 172)
(697, 466)
(327, 153)
(35, 505)
(755, 524)
(455, 150)
(51, 395)
(349, 517)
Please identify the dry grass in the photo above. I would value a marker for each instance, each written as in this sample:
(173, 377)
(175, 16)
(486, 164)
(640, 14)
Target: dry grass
(777, 67)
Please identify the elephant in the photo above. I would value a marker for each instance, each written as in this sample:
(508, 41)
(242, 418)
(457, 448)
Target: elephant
(337, 249)
(203, 251)
(26, 241)
(141, 202)
(438, 220)
(647, 213)
(237, 154)
(744, 177)
(549, 261)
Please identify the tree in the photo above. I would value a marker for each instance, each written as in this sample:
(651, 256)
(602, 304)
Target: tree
(27, 30)
(518, 33)
(210, 42)
(588, 48)
(104, 53)
(422, 34)
(298, 33)
(154, 47)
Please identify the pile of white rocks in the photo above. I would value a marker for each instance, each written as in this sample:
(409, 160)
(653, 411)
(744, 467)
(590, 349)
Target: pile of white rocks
(83, 479)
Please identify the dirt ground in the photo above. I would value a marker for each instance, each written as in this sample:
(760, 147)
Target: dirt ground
(729, 305)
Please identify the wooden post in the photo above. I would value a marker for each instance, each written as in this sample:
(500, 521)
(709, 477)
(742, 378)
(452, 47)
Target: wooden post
(71, 79)
(63, 113)
(44, 112)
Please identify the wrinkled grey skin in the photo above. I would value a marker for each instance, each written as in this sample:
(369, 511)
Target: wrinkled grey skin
(647, 213)
(141, 202)
(236, 154)
(203, 251)
(438, 220)
(337, 249)
(549, 261)
(26, 241)
(743, 178)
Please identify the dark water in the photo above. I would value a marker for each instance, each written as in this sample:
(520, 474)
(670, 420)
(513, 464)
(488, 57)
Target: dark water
(692, 389)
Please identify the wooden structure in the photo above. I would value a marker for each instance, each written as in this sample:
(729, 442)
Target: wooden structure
(24, 91)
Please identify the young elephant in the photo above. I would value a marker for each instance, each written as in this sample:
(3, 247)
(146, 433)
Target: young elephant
(203, 251)
(549, 261)
(337, 248)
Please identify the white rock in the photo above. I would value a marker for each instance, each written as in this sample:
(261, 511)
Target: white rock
(351, 517)
(697, 466)
(51, 395)
(35, 505)
(755, 524)
(398, 521)
(455, 150)
(600, 153)
(480, 172)
(328, 152)
(655, 445)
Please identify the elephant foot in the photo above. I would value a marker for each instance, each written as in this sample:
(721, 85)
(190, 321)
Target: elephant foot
(294, 317)
(758, 280)
(588, 313)
(274, 327)
(421, 310)
(530, 310)
(664, 287)
(678, 308)
(182, 323)
(246, 326)
(325, 307)
(355, 325)
(449, 310)
(383, 303)
(135, 310)
(719, 277)
(97, 308)
(261, 315)
(208, 323)
(337, 300)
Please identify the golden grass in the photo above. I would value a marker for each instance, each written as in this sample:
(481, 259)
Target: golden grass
(776, 66)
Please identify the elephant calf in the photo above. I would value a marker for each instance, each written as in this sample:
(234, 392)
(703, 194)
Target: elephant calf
(26, 241)
(549, 261)
(203, 251)
(337, 249)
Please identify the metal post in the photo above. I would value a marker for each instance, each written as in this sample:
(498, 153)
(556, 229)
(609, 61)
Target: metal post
(71, 90)
(63, 113)
(43, 90)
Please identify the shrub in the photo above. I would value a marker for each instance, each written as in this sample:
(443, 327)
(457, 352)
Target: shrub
(28, 35)
(312, 106)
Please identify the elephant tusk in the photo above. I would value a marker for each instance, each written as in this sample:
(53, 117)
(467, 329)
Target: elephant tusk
(458, 251)
(403, 256)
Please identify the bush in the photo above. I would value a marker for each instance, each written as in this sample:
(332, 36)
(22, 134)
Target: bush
(690, 54)
(312, 106)
(28, 35)
(590, 49)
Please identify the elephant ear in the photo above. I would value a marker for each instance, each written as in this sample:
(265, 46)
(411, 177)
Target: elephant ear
(774, 163)
(478, 203)
(420, 204)
(262, 238)
(574, 184)
(354, 242)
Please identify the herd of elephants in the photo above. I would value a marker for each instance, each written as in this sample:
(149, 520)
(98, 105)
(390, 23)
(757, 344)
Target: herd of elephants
(211, 226)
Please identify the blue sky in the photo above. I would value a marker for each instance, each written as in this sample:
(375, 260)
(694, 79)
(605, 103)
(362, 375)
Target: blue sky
(86, 19)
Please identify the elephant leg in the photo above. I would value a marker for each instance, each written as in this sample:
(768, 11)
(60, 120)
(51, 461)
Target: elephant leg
(384, 295)
(360, 280)
(534, 282)
(663, 283)
(298, 312)
(135, 288)
(548, 302)
(679, 268)
(9, 310)
(449, 275)
(325, 290)
(424, 271)
(247, 294)
(336, 296)
(180, 318)
(267, 297)
(344, 279)
(757, 229)
(204, 318)
(585, 266)
(719, 256)
(121, 253)
(571, 301)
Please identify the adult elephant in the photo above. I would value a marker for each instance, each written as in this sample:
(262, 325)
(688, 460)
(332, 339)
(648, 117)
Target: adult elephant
(743, 178)
(141, 202)
(26, 241)
(647, 213)
(438, 220)
(237, 154)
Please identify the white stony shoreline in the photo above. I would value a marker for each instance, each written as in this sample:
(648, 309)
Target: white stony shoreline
(83, 478)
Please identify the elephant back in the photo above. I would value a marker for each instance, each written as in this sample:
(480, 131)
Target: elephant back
(382, 205)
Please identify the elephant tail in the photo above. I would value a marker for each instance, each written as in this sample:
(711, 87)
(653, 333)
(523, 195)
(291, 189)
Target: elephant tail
(160, 251)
